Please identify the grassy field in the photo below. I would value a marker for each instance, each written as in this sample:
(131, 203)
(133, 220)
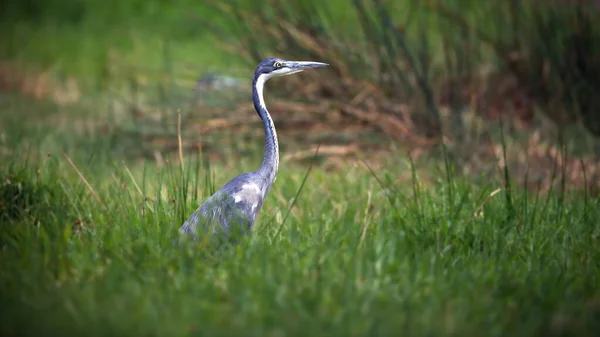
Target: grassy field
(87, 248)
(89, 220)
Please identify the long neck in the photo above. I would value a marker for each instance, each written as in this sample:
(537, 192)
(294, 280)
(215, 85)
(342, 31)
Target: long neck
(270, 163)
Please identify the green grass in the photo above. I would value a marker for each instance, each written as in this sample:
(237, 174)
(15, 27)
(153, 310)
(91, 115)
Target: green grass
(83, 39)
(103, 44)
(358, 254)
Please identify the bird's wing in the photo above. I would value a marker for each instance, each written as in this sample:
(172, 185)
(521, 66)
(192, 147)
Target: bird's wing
(206, 216)
(223, 212)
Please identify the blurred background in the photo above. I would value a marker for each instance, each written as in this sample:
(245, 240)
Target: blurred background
(429, 79)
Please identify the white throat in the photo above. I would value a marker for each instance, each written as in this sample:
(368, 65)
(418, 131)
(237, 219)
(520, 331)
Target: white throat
(271, 143)
(260, 85)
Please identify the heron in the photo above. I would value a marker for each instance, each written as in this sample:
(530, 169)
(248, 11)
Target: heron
(235, 206)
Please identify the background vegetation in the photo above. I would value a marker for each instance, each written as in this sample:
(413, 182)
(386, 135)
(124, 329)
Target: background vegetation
(455, 189)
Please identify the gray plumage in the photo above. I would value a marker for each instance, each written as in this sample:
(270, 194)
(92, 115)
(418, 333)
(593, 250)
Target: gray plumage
(236, 205)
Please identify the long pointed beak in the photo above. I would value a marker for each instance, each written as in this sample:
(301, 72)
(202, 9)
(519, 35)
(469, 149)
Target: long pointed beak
(301, 65)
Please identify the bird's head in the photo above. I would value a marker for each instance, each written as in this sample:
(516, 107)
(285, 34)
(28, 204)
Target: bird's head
(272, 67)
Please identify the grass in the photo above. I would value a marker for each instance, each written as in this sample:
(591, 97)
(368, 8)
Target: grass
(82, 39)
(359, 254)
(87, 229)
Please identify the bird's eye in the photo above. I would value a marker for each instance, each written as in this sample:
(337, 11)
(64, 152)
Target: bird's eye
(277, 64)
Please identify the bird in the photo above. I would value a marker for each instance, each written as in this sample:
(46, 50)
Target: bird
(233, 209)
(212, 81)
